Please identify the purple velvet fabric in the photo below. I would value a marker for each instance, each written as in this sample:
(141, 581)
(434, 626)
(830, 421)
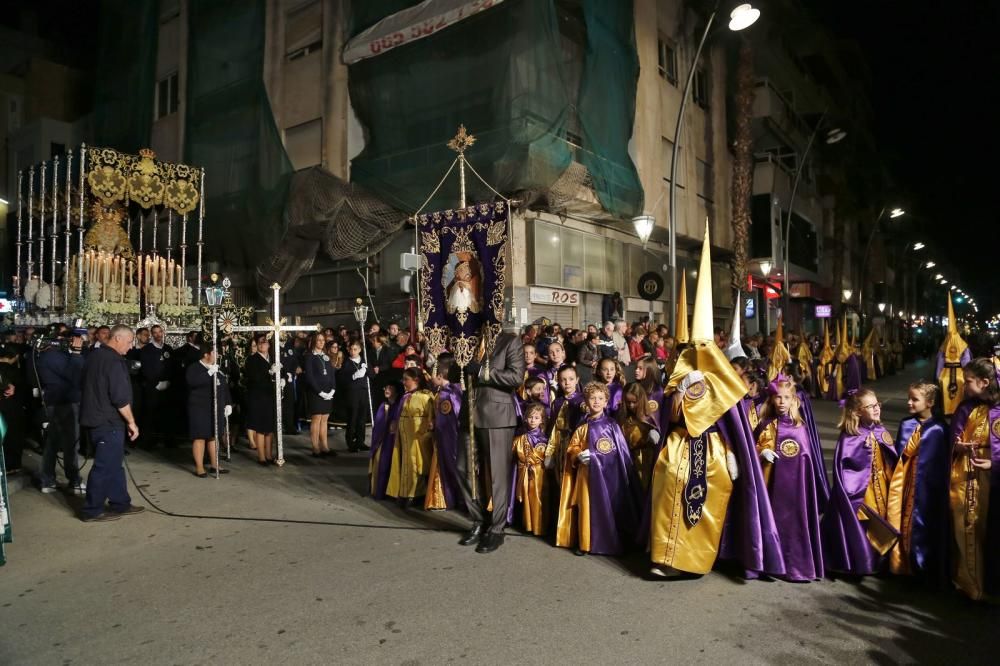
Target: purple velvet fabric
(794, 493)
(930, 537)
(384, 442)
(447, 441)
(846, 548)
(613, 489)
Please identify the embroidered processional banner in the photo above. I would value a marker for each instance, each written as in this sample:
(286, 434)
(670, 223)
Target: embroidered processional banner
(462, 278)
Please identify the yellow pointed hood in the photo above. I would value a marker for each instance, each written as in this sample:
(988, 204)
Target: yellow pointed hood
(780, 356)
(826, 337)
(682, 312)
(843, 350)
(954, 353)
(703, 403)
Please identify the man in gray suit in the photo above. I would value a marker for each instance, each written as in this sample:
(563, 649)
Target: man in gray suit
(494, 422)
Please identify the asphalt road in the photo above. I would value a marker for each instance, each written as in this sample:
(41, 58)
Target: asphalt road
(356, 582)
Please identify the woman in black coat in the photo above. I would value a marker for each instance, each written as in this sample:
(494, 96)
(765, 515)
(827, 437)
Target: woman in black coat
(320, 380)
(261, 417)
(199, 377)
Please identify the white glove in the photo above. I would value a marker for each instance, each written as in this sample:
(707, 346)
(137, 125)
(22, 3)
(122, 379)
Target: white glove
(584, 457)
(275, 370)
(227, 410)
(692, 377)
(550, 461)
(212, 369)
(163, 386)
(654, 437)
(358, 374)
(36, 393)
(288, 376)
(554, 383)
(734, 470)
(327, 395)
(769, 455)
(282, 383)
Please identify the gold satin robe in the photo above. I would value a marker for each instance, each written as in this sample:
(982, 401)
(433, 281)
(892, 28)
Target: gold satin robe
(529, 484)
(672, 541)
(902, 491)
(573, 521)
(970, 498)
(412, 455)
(559, 440)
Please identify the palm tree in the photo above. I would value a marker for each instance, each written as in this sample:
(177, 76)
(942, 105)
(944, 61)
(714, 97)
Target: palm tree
(742, 164)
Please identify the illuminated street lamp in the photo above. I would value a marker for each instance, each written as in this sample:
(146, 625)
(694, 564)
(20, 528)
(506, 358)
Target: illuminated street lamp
(894, 213)
(644, 227)
(741, 17)
(881, 307)
(918, 246)
(765, 268)
(930, 264)
(847, 293)
(897, 212)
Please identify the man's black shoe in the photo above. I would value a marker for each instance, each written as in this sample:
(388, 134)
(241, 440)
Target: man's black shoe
(489, 542)
(472, 536)
(103, 518)
(131, 510)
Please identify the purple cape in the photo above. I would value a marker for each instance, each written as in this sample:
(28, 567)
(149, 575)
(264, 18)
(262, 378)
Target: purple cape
(845, 543)
(446, 441)
(750, 535)
(930, 537)
(832, 369)
(816, 458)
(939, 362)
(992, 548)
(574, 418)
(384, 442)
(536, 437)
(852, 369)
(613, 489)
(794, 493)
(615, 391)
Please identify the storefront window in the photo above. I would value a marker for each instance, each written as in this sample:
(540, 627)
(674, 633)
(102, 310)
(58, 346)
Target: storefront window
(572, 259)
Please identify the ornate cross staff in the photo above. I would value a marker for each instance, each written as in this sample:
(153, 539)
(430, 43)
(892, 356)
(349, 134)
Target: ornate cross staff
(275, 331)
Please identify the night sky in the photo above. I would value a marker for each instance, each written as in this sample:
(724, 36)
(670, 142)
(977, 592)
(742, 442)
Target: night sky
(934, 67)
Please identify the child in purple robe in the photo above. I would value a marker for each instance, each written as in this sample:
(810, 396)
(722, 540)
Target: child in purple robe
(383, 440)
(566, 414)
(599, 497)
(918, 492)
(610, 374)
(856, 534)
(443, 483)
(529, 473)
(788, 453)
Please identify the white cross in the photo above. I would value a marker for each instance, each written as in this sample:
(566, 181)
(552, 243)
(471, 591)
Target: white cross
(276, 329)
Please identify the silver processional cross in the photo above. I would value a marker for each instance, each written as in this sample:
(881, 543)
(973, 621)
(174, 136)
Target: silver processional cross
(276, 329)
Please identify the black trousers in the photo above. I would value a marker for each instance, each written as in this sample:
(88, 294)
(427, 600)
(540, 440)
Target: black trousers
(357, 414)
(494, 454)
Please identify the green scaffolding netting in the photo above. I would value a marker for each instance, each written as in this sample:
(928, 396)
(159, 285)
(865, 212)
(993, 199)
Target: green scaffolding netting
(126, 73)
(230, 131)
(540, 83)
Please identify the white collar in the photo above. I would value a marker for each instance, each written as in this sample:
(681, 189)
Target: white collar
(156, 344)
(356, 360)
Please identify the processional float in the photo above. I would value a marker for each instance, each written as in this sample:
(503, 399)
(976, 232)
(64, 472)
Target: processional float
(465, 256)
(81, 247)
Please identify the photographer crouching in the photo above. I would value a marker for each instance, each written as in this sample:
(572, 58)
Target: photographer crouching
(59, 367)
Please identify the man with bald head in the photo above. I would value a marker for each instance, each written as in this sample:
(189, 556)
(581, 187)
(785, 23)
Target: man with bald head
(106, 418)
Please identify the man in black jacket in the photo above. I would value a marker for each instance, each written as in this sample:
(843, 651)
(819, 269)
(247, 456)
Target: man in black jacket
(157, 373)
(59, 372)
(495, 419)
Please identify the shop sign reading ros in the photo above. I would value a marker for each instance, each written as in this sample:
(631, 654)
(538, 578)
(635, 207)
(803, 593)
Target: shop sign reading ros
(411, 24)
(551, 296)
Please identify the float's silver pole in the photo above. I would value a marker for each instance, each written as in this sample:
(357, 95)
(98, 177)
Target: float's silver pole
(18, 290)
(41, 225)
(201, 222)
(69, 227)
(55, 232)
(79, 259)
(31, 222)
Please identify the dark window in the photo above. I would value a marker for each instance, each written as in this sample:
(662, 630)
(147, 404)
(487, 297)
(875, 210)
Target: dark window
(667, 59)
(167, 96)
(701, 91)
(760, 226)
(57, 149)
